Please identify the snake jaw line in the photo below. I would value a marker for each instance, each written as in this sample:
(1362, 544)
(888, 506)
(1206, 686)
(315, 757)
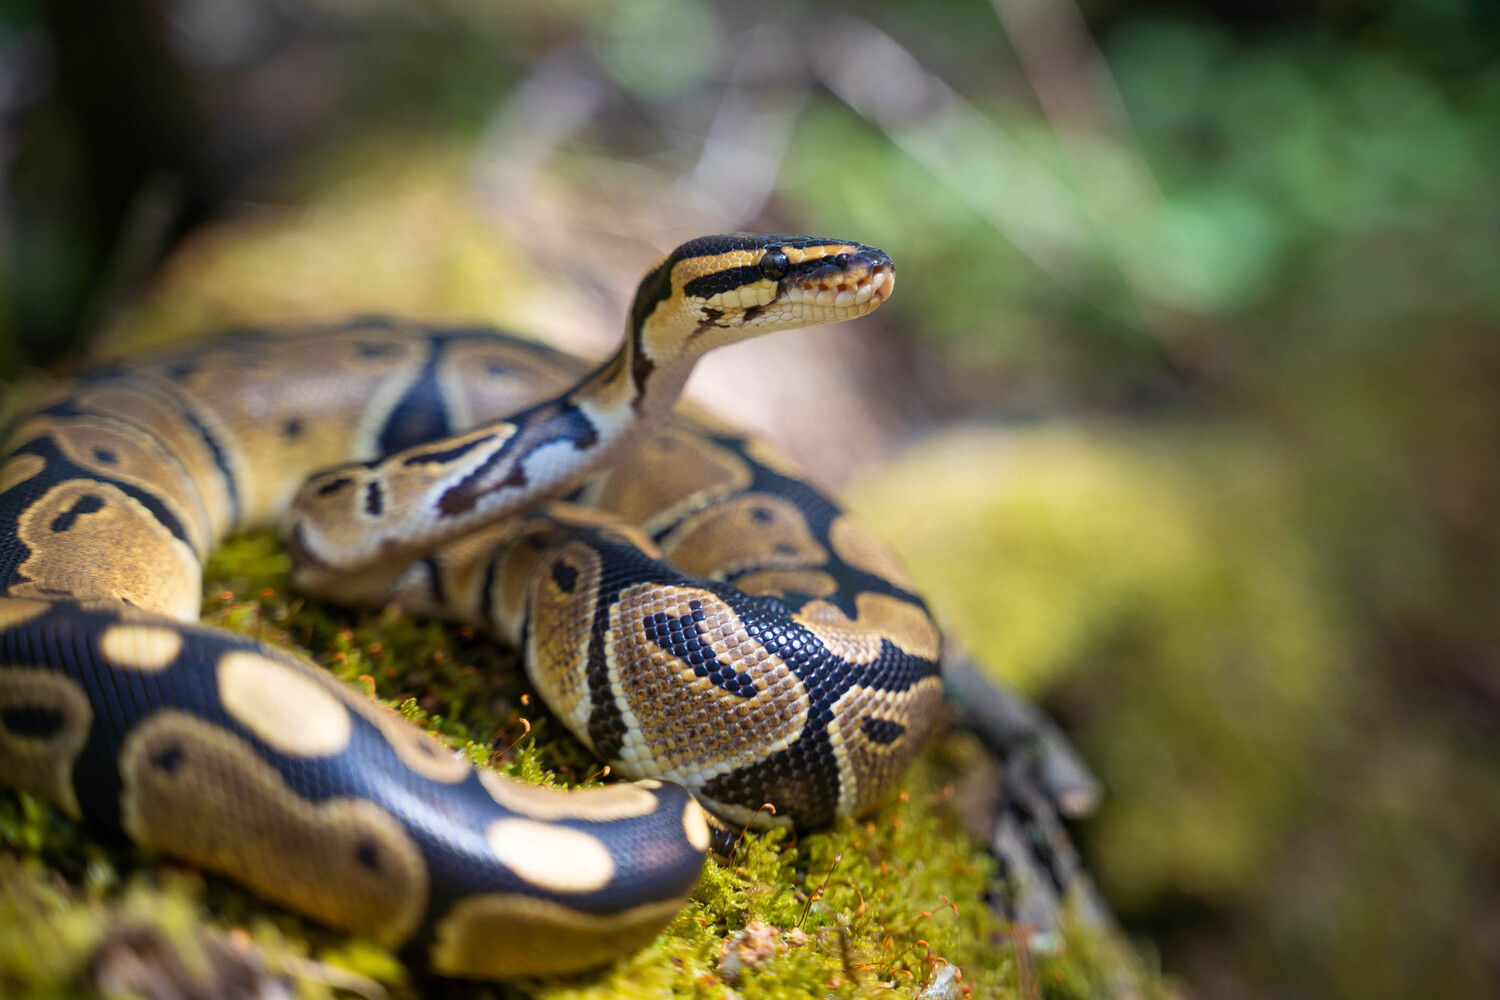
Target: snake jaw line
(862, 282)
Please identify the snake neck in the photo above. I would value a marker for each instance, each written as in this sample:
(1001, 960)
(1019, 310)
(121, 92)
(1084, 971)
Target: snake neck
(488, 473)
(705, 294)
(639, 384)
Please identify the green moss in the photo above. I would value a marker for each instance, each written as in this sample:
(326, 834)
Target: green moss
(44, 939)
(884, 903)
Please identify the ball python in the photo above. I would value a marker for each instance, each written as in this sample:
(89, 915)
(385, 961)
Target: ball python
(692, 609)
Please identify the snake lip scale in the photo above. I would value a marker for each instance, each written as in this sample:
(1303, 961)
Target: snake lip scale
(688, 605)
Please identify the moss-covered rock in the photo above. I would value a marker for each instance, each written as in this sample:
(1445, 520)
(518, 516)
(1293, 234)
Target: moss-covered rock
(867, 908)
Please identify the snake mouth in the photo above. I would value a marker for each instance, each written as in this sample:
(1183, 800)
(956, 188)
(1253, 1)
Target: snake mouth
(860, 283)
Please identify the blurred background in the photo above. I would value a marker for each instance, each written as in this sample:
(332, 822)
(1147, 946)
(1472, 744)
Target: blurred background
(1184, 412)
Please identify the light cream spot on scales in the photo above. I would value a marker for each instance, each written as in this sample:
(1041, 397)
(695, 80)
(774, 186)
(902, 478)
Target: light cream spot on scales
(284, 707)
(598, 804)
(695, 825)
(551, 857)
(140, 647)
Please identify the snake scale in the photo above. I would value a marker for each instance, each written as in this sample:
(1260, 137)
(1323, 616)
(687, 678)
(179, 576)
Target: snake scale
(687, 604)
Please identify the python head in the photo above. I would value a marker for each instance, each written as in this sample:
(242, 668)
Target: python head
(717, 290)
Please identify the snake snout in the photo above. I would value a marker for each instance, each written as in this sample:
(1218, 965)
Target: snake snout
(876, 258)
(879, 284)
(864, 276)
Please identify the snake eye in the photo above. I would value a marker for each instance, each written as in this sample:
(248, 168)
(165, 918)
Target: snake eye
(773, 264)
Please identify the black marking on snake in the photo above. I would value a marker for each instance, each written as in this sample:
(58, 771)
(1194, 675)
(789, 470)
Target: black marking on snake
(121, 377)
(215, 449)
(169, 758)
(435, 580)
(627, 566)
(895, 669)
(754, 311)
(641, 368)
(69, 407)
(87, 504)
(892, 669)
(606, 728)
(543, 424)
(368, 350)
(59, 469)
(831, 266)
(374, 499)
(498, 370)
(13, 503)
(882, 731)
(106, 457)
(654, 289)
(331, 487)
(487, 588)
(50, 642)
(719, 282)
(422, 413)
(181, 371)
(565, 576)
(686, 637)
(221, 460)
(447, 454)
(762, 515)
(38, 722)
(819, 513)
(515, 478)
(802, 780)
(368, 855)
(293, 429)
(711, 321)
(190, 685)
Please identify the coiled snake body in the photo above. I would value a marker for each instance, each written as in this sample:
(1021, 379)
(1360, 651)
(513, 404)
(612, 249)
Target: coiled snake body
(695, 612)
